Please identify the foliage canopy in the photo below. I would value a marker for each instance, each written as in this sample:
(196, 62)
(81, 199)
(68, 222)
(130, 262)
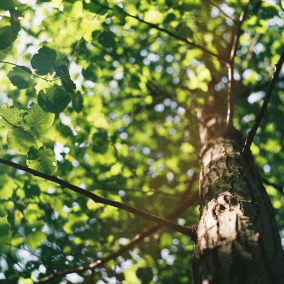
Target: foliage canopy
(103, 94)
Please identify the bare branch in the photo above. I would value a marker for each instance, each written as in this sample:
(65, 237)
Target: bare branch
(180, 208)
(270, 88)
(205, 50)
(276, 186)
(182, 229)
(230, 65)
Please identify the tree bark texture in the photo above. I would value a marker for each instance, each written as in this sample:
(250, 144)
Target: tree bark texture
(237, 238)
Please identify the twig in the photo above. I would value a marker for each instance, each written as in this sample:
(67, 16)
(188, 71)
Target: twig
(216, 6)
(230, 65)
(15, 126)
(220, 58)
(258, 119)
(249, 55)
(98, 199)
(79, 42)
(276, 186)
(13, 64)
(181, 207)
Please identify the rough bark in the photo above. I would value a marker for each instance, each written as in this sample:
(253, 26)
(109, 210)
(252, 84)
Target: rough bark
(237, 237)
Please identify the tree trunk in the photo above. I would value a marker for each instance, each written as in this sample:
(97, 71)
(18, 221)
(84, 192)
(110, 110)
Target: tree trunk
(237, 237)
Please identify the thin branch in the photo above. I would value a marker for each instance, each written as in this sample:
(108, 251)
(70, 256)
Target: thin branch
(180, 208)
(35, 75)
(226, 15)
(79, 42)
(182, 229)
(260, 116)
(230, 65)
(249, 55)
(15, 126)
(276, 186)
(205, 50)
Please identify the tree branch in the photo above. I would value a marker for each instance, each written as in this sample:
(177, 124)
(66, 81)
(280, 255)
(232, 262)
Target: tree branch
(180, 208)
(230, 65)
(205, 50)
(221, 11)
(270, 88)
(33, 74)
(182, 229)
(276, 186)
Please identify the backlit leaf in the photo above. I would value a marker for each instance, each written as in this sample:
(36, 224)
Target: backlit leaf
(4, 230)
(20, 77)
(7, 37)
(45, 162)
(43, 61)
(54, 100)
(39, 119)
(63, 72)
(20, 141)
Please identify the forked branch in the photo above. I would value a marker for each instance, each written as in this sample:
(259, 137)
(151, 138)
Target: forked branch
(260, 116)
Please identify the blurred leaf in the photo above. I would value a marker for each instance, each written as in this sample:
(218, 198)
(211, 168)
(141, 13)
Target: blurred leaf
(35, 239)
(77, 102)
(7, 37)
(106, 39)
(119, 14)
(100, 141)
(4, 230)
(92, 73)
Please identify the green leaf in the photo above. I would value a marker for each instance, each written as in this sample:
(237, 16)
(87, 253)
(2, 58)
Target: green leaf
(119, 14)
(20, 76)
(31, 190)
(4, 230)
(63, 72)
(8, 4)
(54, 100)
(5, 52)
(77, 102)
(43, 61)
(13, 116)
(39, 119)
(32, 154)
(268, 11)
(45, 162)
(106, 39)
(35, 239)
(61, 59)
(20, 141)
(100, 142)
(7, 37)
(92, 73)
(169, 18)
